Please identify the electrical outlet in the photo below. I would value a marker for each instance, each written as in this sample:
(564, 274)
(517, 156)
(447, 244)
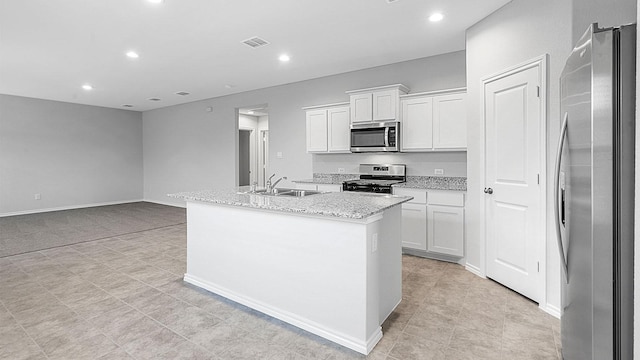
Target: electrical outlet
(374, 243)
(36, 196)
(341, 170)
(439, 171)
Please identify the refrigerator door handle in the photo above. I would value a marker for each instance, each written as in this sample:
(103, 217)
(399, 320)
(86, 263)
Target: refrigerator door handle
(556, 196)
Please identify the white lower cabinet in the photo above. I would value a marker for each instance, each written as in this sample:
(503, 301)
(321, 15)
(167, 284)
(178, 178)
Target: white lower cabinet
(446, 230)
(414, 226)
(433, 221)
(414, 218)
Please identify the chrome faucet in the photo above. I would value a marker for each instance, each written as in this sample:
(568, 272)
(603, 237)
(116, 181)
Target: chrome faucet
(271, 186)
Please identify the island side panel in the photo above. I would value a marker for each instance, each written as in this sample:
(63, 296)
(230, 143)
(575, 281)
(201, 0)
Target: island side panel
(319, 274)
(390, 258)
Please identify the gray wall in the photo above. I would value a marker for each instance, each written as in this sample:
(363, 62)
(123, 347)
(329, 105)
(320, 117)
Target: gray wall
(453, 163)
(187, 148)
(516, 33)
(606, 13)
(73, 155)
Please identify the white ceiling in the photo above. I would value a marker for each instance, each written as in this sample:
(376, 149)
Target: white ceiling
(49, 48)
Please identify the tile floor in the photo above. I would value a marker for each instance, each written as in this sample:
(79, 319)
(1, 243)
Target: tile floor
(123, 298)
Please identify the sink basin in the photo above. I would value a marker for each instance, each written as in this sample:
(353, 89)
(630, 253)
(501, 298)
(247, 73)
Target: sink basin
(282, 192)
(298, 193)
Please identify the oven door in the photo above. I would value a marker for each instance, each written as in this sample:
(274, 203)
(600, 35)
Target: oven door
(374, 137)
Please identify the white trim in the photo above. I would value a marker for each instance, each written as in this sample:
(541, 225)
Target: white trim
(435, 92)
(551, 310)
(539, 62)
(70, 207)
(400, 87)
(293, 319)
(312, 107)
(474, 270)
(182, 205)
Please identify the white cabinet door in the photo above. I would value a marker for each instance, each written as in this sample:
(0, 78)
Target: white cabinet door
(446, 229)
(361, 107)
(450, 122)
(385, 105)
(338, 129)
(417, 119)
(414, 226)
(316, 130)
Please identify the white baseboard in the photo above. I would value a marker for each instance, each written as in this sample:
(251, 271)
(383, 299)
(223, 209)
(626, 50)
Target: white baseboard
(182, 205)
(551, 310)
(363, 347)
(475, 270)
(70, 207)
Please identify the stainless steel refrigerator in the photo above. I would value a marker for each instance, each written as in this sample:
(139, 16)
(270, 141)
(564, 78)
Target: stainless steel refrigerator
(594, 195)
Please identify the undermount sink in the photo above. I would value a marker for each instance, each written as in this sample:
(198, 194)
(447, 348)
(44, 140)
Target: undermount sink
(282, 192)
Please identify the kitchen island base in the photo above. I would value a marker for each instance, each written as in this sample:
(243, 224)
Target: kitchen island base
(338, 278)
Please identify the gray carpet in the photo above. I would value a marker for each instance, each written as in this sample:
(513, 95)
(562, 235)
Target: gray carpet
(25, 233)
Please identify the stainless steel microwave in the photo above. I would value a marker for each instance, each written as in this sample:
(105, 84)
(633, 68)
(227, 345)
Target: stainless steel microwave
(375, 137)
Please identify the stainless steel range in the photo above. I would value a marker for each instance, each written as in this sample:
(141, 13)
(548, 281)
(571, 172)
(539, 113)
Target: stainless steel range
(377, 178)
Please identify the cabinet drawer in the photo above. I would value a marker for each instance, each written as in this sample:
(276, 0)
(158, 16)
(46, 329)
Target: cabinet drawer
(446, 198)
(419, 196)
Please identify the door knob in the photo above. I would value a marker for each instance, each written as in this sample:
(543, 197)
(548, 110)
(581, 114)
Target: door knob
(488, 191)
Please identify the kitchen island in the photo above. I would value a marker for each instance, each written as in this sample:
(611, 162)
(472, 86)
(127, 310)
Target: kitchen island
(327, 263)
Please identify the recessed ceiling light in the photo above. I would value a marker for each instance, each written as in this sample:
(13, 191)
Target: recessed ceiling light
(132, 54)
(154, 99)
(127, 105)
(435, 17)
(156, 1)
(284, 58)
(250, 112)
(87, 87)
(182, 93)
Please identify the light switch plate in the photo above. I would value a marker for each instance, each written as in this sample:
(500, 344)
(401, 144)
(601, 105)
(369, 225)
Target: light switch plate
(439, 171)
(279, 154)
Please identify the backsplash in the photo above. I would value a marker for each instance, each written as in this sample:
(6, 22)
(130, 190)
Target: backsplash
(437, 182)
(334, 178)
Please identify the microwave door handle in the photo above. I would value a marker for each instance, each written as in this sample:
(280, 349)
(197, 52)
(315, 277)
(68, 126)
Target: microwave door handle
(386, 136)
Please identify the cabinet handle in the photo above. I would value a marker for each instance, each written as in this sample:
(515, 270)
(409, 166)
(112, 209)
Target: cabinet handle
(488, 191)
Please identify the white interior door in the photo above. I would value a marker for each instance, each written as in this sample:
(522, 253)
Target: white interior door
(512, 189)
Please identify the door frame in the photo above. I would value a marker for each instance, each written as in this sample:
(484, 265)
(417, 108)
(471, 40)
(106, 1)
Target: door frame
(540, 62)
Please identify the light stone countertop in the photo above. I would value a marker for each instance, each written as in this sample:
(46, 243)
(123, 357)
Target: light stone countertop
(435, 183)
(332, 204)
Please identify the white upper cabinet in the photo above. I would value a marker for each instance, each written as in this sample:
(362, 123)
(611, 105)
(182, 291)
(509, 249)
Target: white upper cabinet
(328, 128)
(338, 129)
(317, 131)
(450, 122)
(376, 104)
(361, 107)
(417, 124)
(434, 122)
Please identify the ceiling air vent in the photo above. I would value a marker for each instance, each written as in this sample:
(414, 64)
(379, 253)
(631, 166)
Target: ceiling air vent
(154, 99)
(255, 42)
(182, 93)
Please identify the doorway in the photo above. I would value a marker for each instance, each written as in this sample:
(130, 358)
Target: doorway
(514, 178)
(244, 157)
(253, 145)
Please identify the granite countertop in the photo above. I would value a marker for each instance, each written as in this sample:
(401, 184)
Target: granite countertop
(435, 183)
(333, 204)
